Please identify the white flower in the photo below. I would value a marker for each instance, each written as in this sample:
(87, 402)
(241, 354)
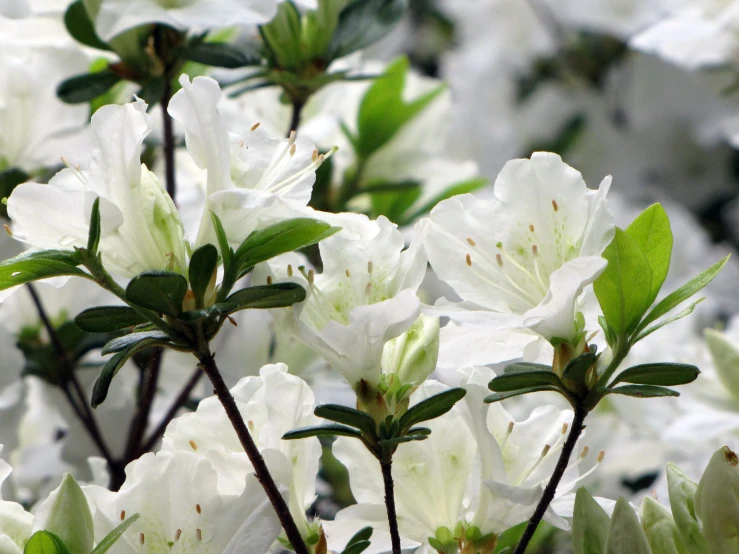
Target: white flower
(141, 229)
(116, 16)
(181, 509)
(695, 35)
(252, 179)
(522, 258)
(273, 403)
(365, 296)
(16, 524)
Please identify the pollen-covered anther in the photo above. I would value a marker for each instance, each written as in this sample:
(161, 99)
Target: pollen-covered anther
(368, 289)
(585, 452)
(123, 515)
(289, 270)
(193, 444)
(472, 242)
(142, 539)
(177, 535)
(293, 148)
(468, 259)
(511, 424)
(564, 428)
(555, 205)
(269, 279)
(64, 160)
(601, 455)
(198, 534)
(198, 509)
(499, 258)
(369, 267)
(255, 126)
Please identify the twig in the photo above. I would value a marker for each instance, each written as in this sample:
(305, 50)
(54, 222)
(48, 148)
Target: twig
(168, 146)
(297, 112)
(146, 400)
(208, 365)
(387, 477)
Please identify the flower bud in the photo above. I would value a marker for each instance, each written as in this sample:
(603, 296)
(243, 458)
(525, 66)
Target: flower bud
(166, 226)
(412, 356)
(66, 513)
(725, 356)
(717, 502)
(660, 528)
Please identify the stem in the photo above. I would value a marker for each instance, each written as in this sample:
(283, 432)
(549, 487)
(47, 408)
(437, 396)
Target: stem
(146, 399)
(392, 518)
(169, 165)
(180, 401)
(208, 365)
(551, 488)
(296, 115)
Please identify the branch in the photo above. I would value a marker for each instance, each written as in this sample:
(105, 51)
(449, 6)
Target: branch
(387, 477)
(168, 146)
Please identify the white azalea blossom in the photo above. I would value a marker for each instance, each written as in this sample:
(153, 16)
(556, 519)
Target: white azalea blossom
(16, 524)
(273, 403)
(141, 229)
(365, 296)
(522, 258)
(116, 16)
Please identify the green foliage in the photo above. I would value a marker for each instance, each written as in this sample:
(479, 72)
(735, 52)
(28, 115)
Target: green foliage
(81, 28)
(86, 87)
(203, 264)
(682, 503)
(359, 542)
(652, 234)
(68, 516)
(34, 266)
(626, 535)
(431, 408)
(159, 291)
(93, 238)
(512, 381)
(107, 319)
(642, 391)
(347, 416)
(220, 54)
(110, 539)
(331, 430)
(664, 374)
(262, 297)
(362, 23)
(45, 542)
(590, 525)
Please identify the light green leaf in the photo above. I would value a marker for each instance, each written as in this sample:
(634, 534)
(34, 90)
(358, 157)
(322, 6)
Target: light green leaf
(590, 525)
(626, 535)
(44, 542)
(110, 539)
(34, 266)
(651, 231)
(624, 287)
(666, 321)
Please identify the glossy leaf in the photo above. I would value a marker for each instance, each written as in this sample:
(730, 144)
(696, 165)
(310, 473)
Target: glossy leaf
(362, 23)
(81, 28)
(83, 88)
(643, 391)
(160, 291)
(498, 396)
(107, 319)
(110, 539)
(221, 54)
(431, 408)
(34, 266)
(322, 431)
(203, 263)
(122, 343)
(663, 374)
(520, 380)
(260, 297)
(347, 416)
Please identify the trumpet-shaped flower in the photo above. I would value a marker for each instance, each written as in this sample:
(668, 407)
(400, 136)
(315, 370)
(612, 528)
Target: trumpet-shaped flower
(273, 403)
(252, 179)
(141, 229)
(522, 258)
(116, 16)
(365, 296)
(16, 524)
(181, 509)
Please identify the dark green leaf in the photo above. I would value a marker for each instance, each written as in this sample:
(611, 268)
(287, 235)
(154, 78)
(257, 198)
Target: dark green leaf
(576, 368)
(152, 90)
(83, 88)
(347, 416)
(624, 287)
(160, 291)
(431, 408)
(526, 367)
(227, 256)
(114, 364)
(651, 231)
(221, 54)
(498, 396)
(45, 542)
(357, 548)
(322, 431)
(122, 343)
(643, 391)
(81, 27)
(513, 381)
(590, 524)
(419, 431)
(93, 238)
(203, 263)
(362, 23)
(279, 295)
(34, 266)
(680, 295)
(109, 540)
(364, 534)
(400, 440)
(107, 319)
(280, 238)
(663, 374)
(395, 200)
(9, 179)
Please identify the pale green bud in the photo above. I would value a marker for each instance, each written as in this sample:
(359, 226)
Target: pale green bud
(725, 356)
(717, 502)
(626, 535)
(66, 513)
(660, 528)
(412, 356)
(682, 502)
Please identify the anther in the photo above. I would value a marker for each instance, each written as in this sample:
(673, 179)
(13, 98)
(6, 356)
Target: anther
(564, 428)
(469, 260)
(368, 289)
(311, 276)
(314, 156)
(198, 509)
(7, 230)
(534, 250)
(142, 539)
(601, 455)
(472, 242)
(293, 148)
(510, 426)
(500, 259)
(545, 450)
(123, 515)
(193, 444)
(584, 452)
(555, 205)
(531, 227)
(348, 273)
(250, 425)
(241, 144)
(198, 534)
(179, 531)
(269, 279)
(289, 270)
(369, 267)
(255, 126)
(293, 135)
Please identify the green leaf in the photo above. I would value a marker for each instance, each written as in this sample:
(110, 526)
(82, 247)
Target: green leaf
(651, 231)
(45, 542)
(626, 535)
(280, 238)
(9, 179)
(114, 364)
(624, 287)
(431, 408)
(282, 38)
(682, 503)
(643, 391)
(661, 323)
(220, 54)
(93, 238)
(364, 534)
(590, 524)
(664, 374)
(152, 90)
(362, 23)
(400, 440)
(122, 343)
(348, 416)
(680, 295)
(357, 547)
(160, 291)
(521, 380)
(227, 256)
(322, 431)
(203, 263)
(107, 319)
(577, 367)
(34, 266)
(609, 333)
(81, 28)
(498, 396)
(279, 295)
(110, 539)
(83, 88)
(383, 111)
(392, 199)
(526, 367)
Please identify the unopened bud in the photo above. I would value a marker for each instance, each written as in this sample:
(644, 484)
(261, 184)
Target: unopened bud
(412, 356)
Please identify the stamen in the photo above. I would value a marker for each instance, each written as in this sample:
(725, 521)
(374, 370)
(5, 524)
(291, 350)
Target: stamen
(585, 452)
(250, 425)
(311, 276)
(123, 515)
(179, 531)
(348, 273)
(7, 230)
(255, 126)
(242, 144)
(472, 242)
(531, 227)
(368, 289)
(469, 260)
(197, 508)
(564, 428)
(142, 539)
(293, 136)
(193, 444)
(314, 156)
(500, 259)
(528, 473)
(198, 534)
(508, 434)
(601, 455)
(534, 250)
(369, 268)
(555, 205)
